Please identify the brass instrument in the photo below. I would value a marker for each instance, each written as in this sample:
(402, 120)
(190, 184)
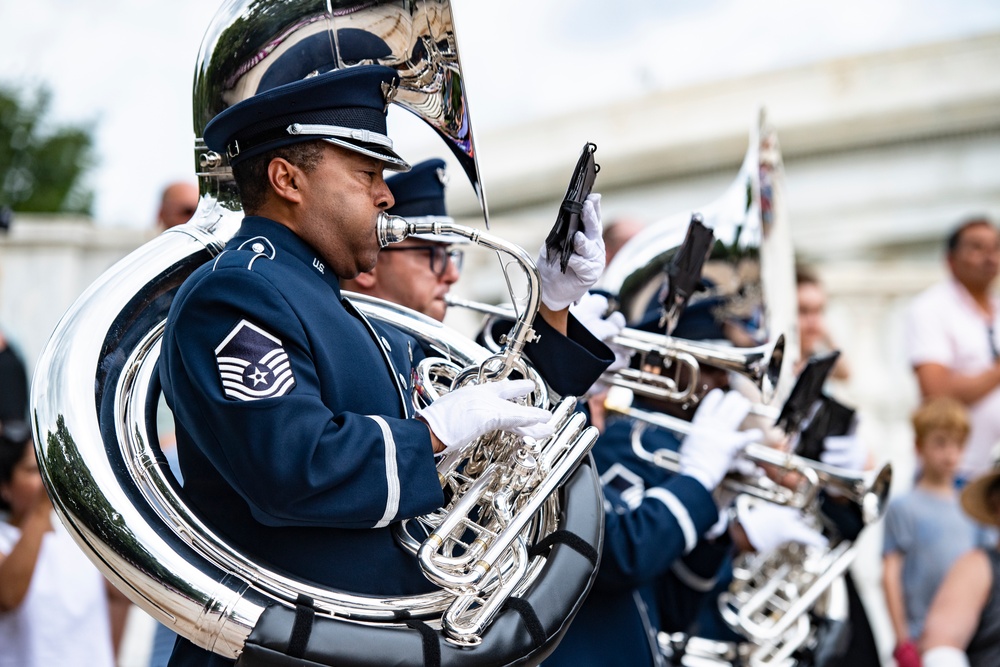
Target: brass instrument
(95, 387)
(869, 493)
(677, 359)
(772, 594)
(682, 359)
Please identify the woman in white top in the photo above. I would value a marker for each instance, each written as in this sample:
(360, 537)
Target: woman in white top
(53, 601)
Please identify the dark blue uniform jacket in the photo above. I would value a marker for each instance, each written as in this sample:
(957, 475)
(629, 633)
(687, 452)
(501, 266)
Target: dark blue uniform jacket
(292, 414)
(653, 522)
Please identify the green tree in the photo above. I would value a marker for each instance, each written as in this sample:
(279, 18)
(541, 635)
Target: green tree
(42, 166)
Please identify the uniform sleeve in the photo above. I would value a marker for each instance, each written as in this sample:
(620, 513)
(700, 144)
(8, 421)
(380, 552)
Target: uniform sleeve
(289, 455)
(642, 543)
(898, 534)
(691, 581)
(572, 363)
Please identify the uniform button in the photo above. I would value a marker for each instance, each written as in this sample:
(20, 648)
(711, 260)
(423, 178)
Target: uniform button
(402, 379)
(258, 247)
(385, 343)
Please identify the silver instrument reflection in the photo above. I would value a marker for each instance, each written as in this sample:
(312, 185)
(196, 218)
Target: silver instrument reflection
(677, 362)
(869, 493)
(499, 484)
(775, 595)
(252, 46)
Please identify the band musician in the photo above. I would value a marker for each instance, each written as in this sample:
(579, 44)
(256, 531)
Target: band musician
(295, 433)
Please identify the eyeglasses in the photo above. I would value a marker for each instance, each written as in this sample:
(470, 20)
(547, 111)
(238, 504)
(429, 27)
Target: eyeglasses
(440, 256)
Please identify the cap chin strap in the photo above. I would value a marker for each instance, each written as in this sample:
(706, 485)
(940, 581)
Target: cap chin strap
(363, 136)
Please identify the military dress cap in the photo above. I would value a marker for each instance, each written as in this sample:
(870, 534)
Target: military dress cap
(345, 107)
(419, 197)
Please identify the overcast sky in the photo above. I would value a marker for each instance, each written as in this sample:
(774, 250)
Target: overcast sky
(126, 67)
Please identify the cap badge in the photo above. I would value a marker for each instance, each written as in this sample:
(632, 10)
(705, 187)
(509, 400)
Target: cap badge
(389, 89)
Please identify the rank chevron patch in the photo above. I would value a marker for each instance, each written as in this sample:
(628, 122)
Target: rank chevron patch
(253, 364)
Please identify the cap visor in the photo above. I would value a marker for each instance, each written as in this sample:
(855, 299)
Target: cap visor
(392, 161)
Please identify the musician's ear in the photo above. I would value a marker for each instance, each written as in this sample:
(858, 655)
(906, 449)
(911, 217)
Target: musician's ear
(283, 177)
(367, 279)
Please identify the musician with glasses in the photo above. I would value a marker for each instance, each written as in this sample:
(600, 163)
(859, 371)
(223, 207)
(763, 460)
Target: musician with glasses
(418, 273)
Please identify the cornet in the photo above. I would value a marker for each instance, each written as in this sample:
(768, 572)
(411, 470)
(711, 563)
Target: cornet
(684, 358)
(679, 360)
(868, 493)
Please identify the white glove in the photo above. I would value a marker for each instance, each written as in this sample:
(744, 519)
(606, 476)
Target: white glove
(461, 416)
(844, 451)
(708, 451)
(590, 312)
(586, 264)
(768, 526)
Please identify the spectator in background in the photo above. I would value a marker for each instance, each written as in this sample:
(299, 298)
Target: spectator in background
(925, 529)
(617, 233)
(963, 623)
(54, 605)
(178, 203)
(951, 338)
(813, 335)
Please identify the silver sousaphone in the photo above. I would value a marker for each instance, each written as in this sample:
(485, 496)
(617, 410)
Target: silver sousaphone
(95, 390)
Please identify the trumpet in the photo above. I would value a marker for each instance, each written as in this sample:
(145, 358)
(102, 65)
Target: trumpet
(869, 493)
(772, 593)
(684, 358)
(678, 360)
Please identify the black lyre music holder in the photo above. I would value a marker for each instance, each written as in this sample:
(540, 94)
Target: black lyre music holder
(559, 241)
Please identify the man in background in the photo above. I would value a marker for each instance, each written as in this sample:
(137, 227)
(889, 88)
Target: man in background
(178, 203)
(951, 338)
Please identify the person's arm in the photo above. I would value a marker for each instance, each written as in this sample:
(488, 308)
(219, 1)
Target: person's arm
(557, 319)
(955, 610)
(643, 543)
(892, 586)
(939, 380)
(571, 360)
(118, 608)
(18, 567)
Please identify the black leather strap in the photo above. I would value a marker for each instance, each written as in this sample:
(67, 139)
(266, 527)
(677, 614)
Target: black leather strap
(571, 206)
(572, 540)
(429, 639)
(546, 610)
(528, 617)
(302, 627)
